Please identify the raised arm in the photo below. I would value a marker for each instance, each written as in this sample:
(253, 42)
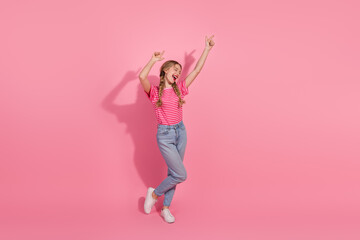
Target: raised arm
(209, 43)
(157, 56)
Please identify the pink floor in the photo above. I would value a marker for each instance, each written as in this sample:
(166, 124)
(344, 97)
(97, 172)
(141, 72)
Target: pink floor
(192, 222)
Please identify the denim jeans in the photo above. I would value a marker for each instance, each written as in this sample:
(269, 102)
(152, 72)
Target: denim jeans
(172, 141)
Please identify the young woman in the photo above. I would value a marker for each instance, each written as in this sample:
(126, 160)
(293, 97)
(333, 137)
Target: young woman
(167, 101)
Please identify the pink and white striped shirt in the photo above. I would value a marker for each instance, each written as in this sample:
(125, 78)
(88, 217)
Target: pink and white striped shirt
(169, 113)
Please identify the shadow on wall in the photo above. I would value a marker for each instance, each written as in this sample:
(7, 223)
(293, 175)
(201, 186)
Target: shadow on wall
(141, 124)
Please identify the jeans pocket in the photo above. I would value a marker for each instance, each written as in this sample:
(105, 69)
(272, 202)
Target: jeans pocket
(163, 131)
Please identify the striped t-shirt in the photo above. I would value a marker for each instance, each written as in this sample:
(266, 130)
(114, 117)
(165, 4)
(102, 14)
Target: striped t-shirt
(169, 113)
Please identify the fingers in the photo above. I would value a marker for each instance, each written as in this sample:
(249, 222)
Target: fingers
(159, 53)
(209, 37)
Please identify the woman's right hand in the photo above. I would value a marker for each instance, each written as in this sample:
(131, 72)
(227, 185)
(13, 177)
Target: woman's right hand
(157, 56)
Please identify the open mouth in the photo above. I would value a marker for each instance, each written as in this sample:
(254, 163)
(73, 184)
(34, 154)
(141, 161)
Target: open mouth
(175, 77)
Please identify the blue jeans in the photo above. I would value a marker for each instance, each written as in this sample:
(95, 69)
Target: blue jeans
(172, 141)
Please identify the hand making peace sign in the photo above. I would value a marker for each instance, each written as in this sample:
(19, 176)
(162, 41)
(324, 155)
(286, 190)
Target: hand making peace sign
(209, 42)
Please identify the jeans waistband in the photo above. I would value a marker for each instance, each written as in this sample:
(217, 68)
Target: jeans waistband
(181, 123)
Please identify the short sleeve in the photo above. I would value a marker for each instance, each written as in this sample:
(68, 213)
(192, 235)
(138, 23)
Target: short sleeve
(184, 90)
(151, 93)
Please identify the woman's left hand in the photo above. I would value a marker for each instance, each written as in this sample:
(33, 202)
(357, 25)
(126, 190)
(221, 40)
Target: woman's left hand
(209, 42)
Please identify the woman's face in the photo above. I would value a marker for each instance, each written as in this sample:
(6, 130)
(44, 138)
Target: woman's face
(173, 73)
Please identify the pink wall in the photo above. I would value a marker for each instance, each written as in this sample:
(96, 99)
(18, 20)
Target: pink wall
(272, 119)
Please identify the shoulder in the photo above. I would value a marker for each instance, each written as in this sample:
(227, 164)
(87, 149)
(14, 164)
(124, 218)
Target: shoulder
(154, 87)
(153, 92)
(182, 86)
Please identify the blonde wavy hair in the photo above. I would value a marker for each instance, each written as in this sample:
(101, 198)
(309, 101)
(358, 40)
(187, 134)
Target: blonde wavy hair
(166, 65)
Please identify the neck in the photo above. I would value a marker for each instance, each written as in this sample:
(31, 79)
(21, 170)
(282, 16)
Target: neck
(167, 85)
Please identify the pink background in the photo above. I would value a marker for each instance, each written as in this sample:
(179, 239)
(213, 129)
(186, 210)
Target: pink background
(272, 119)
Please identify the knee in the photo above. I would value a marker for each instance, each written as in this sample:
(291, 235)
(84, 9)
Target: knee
(182, 177)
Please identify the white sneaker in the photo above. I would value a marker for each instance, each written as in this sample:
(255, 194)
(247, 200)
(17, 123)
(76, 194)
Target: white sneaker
(166, 214)
(149, 200)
